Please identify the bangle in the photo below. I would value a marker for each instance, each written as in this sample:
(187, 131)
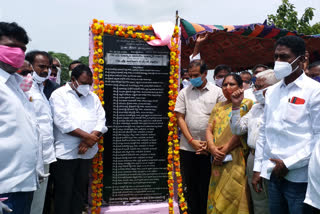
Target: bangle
(190, 140)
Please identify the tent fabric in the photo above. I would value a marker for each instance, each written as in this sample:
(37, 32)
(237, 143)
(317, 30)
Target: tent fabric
(240, 46)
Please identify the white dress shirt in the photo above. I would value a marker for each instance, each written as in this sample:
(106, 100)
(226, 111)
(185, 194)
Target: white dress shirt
(289, 131)
(19, 144)
(44, 119)
(313, 190)
(71, 112)
(251, 123)
(197, 105)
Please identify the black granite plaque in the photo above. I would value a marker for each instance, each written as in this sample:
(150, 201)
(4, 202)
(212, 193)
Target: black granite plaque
(136, 103)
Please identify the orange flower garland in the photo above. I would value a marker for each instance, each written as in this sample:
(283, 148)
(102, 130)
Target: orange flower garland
(97, 29)
(173, 141)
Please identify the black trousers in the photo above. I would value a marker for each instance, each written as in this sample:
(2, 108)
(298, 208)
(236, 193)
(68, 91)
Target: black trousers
(70, 180)
(196, 172)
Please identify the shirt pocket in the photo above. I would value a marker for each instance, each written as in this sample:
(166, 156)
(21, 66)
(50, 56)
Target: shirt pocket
(208, 106)
(295, 113)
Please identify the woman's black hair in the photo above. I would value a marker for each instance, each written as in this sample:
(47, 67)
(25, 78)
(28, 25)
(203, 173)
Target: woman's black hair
(236, 77)
(77, 71)
(221, 68)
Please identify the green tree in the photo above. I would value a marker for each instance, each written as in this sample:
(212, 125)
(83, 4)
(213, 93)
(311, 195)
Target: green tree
(84, 60)
(65, 60)
(287, 18)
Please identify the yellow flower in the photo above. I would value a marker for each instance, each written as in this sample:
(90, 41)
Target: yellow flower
(152, 38)
(101, 61)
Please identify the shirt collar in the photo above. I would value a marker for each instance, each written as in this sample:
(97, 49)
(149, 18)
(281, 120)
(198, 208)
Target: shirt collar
(298, 82)
(5, 76)
(206, 87)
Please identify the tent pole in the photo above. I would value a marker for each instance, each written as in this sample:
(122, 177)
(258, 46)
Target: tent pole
(177, 17)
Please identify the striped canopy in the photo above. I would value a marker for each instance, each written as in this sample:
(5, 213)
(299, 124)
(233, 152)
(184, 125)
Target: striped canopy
(240, 46)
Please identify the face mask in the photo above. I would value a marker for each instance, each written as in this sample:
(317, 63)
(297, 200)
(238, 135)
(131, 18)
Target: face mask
(196, 82)
(12, 56)
(52, 78)
(259, 96)
(219, 82)
(83, 89)
(37, 78)
(26, 83)
(185, 83)
(58, 76)
(284, 69)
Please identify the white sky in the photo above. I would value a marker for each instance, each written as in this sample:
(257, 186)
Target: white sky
(62, 25)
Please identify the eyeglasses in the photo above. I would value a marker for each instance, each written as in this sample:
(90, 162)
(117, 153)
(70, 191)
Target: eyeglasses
(25, 72)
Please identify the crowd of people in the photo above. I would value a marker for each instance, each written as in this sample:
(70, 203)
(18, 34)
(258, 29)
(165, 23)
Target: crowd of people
(250, 142)
(48, 133)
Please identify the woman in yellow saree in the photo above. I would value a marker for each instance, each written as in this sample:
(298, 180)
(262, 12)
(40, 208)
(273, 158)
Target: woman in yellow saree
(228, 183)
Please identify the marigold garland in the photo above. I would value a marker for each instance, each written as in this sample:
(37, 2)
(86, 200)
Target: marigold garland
(173, 141)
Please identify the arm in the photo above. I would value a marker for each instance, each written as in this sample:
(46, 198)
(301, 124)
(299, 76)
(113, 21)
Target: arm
(197, 145)
(213, 149)
(64, 123)
(258, 157)
(196, 50)
(238, 125)
(101, 127)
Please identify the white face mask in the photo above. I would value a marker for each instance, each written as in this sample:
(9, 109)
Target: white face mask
(185, 83)
(83, 89)
(37, 78)
(259, 95)
(284, 69)
(219, 82)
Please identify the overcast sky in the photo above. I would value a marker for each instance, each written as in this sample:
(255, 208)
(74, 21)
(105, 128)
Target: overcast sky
(62, 25)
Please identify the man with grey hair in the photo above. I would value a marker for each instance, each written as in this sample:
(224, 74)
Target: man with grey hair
(251, 123)
(55, 75)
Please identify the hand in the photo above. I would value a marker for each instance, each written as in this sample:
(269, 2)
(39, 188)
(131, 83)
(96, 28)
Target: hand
(204, 148)
(217, 153)
(198, 145)
(237, 97)
(90, 139)
(97, 133)
(280, 170)
(202, 37)
(83, 148)
(256, 182)
(4, 207)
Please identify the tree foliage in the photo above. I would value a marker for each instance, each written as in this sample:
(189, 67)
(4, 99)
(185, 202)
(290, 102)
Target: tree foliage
(287, 18)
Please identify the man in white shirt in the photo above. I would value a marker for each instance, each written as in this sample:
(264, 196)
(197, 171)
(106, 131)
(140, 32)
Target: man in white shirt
(79, 121)
(40, 62)
(290, 128)
(18, 130)
(193, 109)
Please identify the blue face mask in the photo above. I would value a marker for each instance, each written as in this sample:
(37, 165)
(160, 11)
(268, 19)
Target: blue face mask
(196, 82)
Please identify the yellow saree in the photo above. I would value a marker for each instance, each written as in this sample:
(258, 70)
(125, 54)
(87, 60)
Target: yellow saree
(228, 183)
